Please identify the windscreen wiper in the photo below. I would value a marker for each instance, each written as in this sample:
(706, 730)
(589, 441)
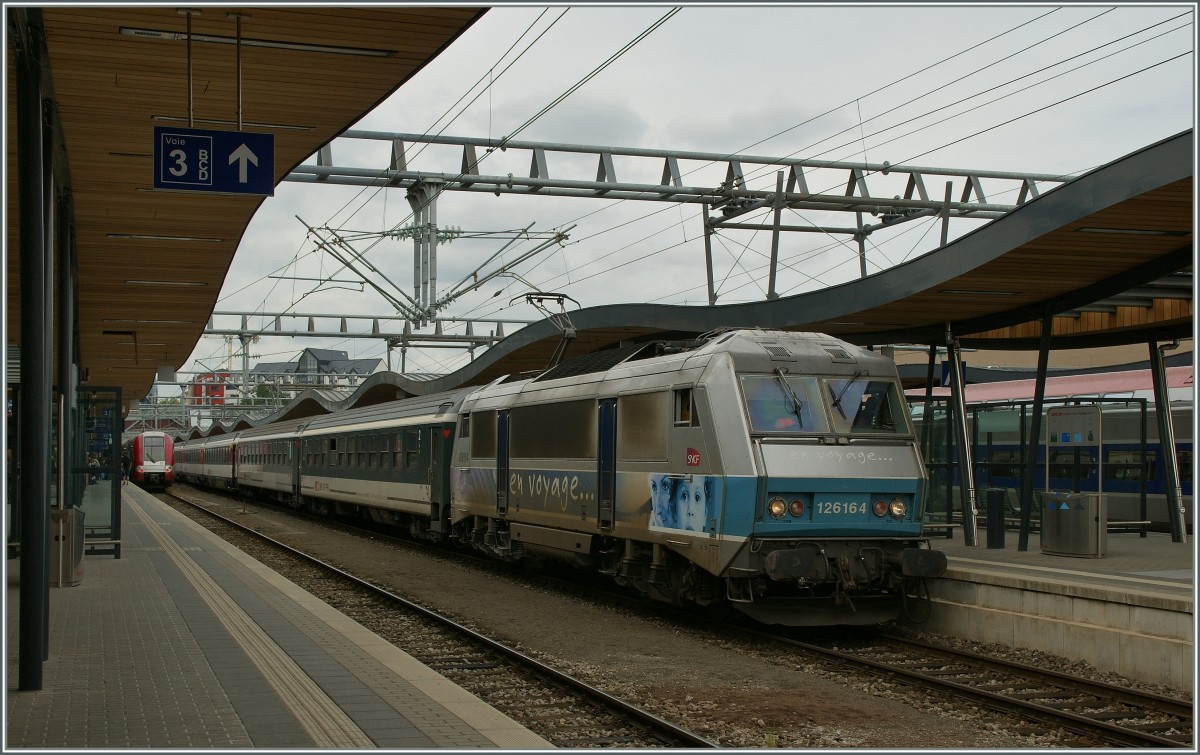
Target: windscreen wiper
(837, 400)
(797, 404)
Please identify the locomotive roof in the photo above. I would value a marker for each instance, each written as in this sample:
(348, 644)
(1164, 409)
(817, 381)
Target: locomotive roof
(391, 410)
(754, 349)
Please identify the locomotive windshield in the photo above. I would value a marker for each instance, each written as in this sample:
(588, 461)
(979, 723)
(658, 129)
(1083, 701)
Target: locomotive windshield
(794, 404)
(784, 404)
(863, 405)
(153, 448)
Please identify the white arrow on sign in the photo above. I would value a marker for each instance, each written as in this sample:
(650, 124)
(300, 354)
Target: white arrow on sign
(243, 155)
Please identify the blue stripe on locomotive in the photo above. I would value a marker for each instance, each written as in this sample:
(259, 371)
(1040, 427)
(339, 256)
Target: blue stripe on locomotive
(834, 507)
(736, 507)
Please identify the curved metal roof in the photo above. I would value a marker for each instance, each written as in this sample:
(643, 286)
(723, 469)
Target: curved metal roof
(1126, 225)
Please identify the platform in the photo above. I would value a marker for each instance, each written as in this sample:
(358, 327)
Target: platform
(1130, 611)
(187, 642)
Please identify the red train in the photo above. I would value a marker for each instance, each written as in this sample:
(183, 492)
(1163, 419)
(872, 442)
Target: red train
(153, 460)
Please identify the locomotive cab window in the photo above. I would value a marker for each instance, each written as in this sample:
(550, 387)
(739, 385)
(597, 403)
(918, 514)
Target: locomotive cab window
(783, 404)
(860, 405)
(685, 415)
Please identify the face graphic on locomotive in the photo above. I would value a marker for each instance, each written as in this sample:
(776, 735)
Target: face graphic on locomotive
(691, 503)
(662, 503)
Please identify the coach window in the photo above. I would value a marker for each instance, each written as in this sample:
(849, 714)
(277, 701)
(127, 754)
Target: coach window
(1062, 464)
(413, 448)
(385, 451)
(1129, 465)
(398, 451)
(483, 435)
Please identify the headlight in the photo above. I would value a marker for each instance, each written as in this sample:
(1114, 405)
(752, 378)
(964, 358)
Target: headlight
(777, 507)
(897, 508)
(796, 508)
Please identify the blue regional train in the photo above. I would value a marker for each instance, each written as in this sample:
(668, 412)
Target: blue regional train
(773, 472)
(1128, 470)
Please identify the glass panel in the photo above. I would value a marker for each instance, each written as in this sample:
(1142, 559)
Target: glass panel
(783, 404)
(861, 406)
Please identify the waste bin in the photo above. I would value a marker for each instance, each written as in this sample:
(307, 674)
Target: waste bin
(1074, 524)
(66, 547)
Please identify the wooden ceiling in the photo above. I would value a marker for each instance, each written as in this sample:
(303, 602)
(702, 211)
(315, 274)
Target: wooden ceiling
(116, 73)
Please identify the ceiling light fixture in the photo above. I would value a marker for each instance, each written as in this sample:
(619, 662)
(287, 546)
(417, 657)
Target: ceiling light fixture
(138, 282)
(151, 322)
(970, 292)
(1131, 231)
(224, 122)
(362, 52)
(156, 237)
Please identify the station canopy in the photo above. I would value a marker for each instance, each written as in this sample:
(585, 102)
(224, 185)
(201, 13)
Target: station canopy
(1107, 255)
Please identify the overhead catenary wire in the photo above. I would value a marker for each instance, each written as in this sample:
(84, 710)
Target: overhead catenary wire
(873, 145)
(579, 84)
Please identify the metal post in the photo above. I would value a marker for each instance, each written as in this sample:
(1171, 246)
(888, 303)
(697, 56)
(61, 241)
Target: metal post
(771, 293)
(1166, 440)
(244, 338)
(966, 464)
(431, 248)
(927, 413)
(712, 294)
(66, 349)
(35, 378)
(861, 238)
(946, 213)
(1035, 433)
(238, 17)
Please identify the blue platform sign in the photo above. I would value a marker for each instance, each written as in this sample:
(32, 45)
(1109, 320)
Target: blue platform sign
(227, 162)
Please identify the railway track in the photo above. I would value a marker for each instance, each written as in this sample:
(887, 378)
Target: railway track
(1095, 713)
(560, 708)
(1098, 714)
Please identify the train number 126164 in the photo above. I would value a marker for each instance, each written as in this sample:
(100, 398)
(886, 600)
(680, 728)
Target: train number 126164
(841, 507)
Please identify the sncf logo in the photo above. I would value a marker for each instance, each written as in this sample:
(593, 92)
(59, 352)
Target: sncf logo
(693, 457)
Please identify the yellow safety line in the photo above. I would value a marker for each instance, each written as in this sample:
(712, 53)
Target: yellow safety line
(325, 723)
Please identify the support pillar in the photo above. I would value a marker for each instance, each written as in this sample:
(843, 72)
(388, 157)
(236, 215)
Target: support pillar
(1176, 514)
(71, 494)
(34, 472)
(1035, 433)
(966, 464)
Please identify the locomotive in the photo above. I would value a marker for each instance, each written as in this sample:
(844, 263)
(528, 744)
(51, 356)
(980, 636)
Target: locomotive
(153, 457)
(776, 473)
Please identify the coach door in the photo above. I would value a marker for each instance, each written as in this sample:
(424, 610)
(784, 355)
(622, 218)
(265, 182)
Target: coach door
(295, 455)
(607, 463)
(439, 475)
(502, 461)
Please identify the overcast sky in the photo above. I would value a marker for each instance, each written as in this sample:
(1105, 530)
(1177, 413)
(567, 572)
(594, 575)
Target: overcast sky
(1038, 89)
